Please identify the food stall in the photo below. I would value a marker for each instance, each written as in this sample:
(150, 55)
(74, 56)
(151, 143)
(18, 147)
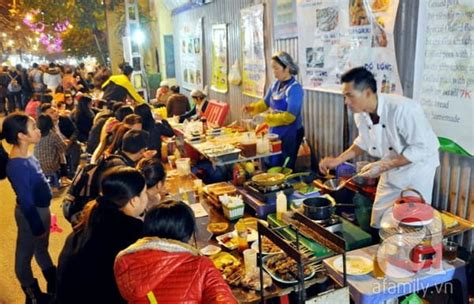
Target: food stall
(292, 238)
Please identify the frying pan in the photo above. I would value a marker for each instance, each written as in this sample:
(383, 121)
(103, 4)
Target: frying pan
(272, 179)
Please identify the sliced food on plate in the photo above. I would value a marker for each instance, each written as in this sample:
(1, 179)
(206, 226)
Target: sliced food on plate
(355, 265)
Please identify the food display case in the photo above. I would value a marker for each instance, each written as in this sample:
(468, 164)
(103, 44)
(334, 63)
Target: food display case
(291, 263)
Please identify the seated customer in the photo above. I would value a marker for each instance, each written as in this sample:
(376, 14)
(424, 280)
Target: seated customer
(155, 177)
(110, 223)
(134, 145)
(199, 107)
(156, 126)
(178, 104)
(164, 268)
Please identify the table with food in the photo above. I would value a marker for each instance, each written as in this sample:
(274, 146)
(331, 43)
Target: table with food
(229, 144)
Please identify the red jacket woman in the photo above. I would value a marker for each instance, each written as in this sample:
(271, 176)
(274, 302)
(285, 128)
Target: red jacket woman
(165, 269)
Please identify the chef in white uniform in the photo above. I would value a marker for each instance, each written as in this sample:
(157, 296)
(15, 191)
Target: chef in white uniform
(394, 129)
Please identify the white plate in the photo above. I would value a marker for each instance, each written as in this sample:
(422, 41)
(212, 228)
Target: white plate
(355, 265)
(278, 279)
(210, 250)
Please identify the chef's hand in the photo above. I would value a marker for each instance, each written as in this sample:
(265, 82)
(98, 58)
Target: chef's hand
(328, 163)
(373, 170)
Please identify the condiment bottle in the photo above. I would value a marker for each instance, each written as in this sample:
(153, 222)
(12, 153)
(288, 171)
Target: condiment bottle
(281, 204)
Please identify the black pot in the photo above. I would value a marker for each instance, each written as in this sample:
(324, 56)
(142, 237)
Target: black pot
(317, 208)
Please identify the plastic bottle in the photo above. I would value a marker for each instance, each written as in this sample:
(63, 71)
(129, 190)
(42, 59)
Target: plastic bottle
(281, 204)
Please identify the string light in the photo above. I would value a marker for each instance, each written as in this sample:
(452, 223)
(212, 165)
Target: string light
(52, 42)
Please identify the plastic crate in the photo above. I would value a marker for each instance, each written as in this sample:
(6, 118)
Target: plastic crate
(234, 212)
(345, 170)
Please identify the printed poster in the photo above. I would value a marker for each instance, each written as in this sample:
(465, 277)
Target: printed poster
(191, 56)
(253, 52)
(284, 19)
(444, 71)
(219, 58)
(347, 34)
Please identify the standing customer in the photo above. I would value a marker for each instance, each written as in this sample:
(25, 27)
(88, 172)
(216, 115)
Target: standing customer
(83, 117)
(50, 150)
(110, 223)
(164, 268)
(285, 100)
(32, 214)
(395, 130)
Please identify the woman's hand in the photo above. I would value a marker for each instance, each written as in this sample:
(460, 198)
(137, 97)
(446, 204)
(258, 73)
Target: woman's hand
(247, 108)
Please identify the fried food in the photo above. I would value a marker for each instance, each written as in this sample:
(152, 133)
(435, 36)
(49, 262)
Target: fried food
(217, 228)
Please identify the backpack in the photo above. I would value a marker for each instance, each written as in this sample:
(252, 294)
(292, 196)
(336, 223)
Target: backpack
(13, 86)
(84, 188)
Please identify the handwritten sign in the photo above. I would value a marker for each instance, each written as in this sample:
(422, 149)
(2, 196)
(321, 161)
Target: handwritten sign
(444, 71)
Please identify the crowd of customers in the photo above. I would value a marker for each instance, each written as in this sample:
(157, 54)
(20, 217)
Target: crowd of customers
(125, 230)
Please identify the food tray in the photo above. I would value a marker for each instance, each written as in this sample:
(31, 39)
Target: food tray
(254, 246)
(225, 156)
(279, 279)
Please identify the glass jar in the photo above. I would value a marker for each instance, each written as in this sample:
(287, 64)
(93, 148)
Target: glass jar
(241, 229)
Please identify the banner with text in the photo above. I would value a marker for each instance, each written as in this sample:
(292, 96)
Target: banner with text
(253, 52)
(219, 58)
(337, 35)
(444, 71)
(191, 56)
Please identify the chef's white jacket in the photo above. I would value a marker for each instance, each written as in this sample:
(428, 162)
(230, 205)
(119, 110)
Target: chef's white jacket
(402, 129)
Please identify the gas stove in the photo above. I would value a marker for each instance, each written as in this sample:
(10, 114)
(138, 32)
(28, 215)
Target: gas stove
(267, 194)
(332, 224)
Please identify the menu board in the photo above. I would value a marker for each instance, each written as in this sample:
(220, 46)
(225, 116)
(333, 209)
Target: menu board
(219, 58)
(253, 51)
(191, 56)
(337, 35)
(444, 71)
(284, 19)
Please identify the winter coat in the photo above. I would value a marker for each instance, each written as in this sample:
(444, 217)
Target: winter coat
(178, 104)
(52, 78)
(117, 87)
(83, 121)
(85, 270)
(170, 272)
(158, 130)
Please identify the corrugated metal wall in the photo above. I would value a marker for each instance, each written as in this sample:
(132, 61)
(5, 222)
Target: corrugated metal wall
(218, 12)
(324, 112)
